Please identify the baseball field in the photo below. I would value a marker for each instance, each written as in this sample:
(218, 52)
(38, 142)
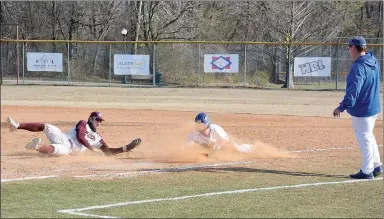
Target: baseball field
(299, 168)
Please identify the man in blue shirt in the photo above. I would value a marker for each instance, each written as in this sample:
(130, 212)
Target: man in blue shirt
(362, 102)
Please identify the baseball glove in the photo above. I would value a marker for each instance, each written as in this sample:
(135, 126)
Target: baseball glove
(132, 145)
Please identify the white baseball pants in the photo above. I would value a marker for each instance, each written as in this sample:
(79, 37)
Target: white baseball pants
(363, 127)
(58, 140)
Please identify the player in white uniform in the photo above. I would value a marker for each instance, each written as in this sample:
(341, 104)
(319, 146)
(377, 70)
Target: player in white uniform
(213, 136)
(83, 136)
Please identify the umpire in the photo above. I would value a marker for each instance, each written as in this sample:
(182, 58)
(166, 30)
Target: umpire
(362, 102)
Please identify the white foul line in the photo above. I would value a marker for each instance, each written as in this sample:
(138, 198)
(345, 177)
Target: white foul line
(28, 178)
(76, 211)
(320, 149)
(176, 169)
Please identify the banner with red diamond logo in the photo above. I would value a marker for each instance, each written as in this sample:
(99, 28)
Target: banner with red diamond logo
(221, 63)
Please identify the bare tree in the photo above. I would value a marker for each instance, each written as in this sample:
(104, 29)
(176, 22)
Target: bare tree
(270, 21)
(297, 22)
(169, 20)
(99, 20)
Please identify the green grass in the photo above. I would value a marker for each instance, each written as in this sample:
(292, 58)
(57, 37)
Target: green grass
(44, 197)
(326, 201)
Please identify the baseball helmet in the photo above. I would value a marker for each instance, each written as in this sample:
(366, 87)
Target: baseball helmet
(97, 116)
(202, 118)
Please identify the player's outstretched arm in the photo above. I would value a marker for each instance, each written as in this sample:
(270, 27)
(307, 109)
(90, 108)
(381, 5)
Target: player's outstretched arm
(112, 151)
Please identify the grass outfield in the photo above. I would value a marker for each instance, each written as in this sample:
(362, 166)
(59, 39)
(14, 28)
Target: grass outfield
(43, 198)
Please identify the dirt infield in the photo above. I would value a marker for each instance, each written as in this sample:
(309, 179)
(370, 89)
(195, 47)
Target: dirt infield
(161, 117)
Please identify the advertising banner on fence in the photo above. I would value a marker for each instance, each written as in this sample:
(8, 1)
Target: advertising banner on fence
(312, 67)
(131, 64)
(40, 61)
(221, 63)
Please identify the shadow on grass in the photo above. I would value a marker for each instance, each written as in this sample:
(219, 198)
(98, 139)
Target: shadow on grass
(246, 170)
(280, 172)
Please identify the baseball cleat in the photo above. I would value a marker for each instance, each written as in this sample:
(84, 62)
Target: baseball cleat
(361, 175)
(34, 144)
(12, 124)
(133, 144)
(377, 171)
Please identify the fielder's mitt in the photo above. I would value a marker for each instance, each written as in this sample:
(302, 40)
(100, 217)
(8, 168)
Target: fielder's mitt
(132, 145)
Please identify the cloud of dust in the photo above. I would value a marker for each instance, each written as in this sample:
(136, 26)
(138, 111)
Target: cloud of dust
(172, 148)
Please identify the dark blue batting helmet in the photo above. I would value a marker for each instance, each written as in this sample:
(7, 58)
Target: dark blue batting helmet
(202, 118)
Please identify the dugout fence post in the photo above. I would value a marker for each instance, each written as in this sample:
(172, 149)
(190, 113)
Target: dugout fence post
(109, 65)
(330, 55)
(245, 66)
(198, 64)
(153, 65)
(23, 50)
(337, 65)
(68, 63)
(17, 54)
(289, 68)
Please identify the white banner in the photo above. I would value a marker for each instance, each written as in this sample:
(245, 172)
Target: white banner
(312, 67)
(40, 61)
(131, 64)
(221, 63)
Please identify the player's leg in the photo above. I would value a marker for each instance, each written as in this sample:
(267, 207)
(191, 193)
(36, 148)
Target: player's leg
(53, 149)
(55, 135)
(35, 144)
(32, 127)
(197, 138)
(376, 153)
(60, 144)
(59, 141)
(364, 134)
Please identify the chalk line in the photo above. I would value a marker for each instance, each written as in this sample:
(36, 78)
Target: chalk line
(28, 178)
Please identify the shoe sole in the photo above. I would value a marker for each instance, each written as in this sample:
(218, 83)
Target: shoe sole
(361, 178)
(33, 144)
(12, 128)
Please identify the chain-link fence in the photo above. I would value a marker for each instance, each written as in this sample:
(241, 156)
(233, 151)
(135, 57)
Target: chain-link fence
(260, 64)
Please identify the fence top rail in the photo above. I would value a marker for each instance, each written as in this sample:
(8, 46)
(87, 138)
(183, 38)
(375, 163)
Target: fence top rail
(183, 42)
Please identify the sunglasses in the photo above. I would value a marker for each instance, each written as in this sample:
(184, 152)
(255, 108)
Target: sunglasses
(98, 119)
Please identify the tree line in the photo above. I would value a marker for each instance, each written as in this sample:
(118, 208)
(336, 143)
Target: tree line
(269, 21)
